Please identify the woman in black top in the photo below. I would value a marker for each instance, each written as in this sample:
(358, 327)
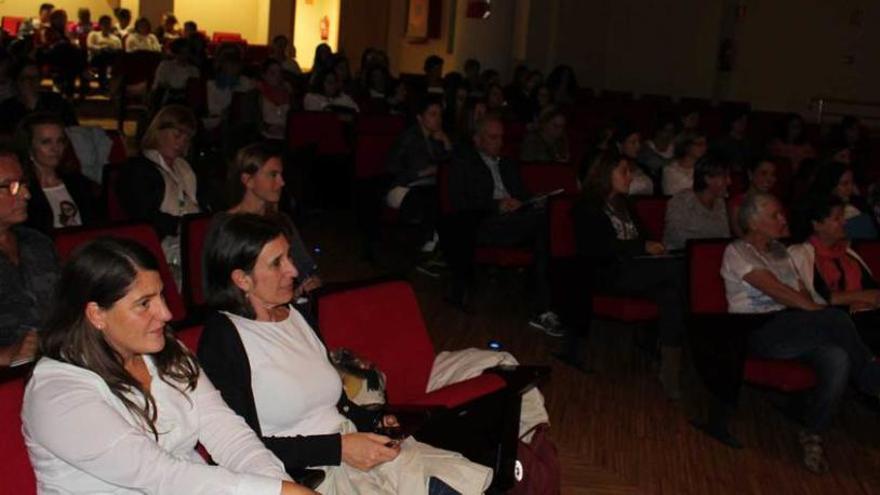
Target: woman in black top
(609, 238)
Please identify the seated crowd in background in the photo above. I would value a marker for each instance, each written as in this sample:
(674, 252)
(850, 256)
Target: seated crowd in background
(454, 144)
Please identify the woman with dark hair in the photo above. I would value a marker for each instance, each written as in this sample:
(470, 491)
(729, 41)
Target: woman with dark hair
(549, 141)
(321, 63)
(257, 344)
(455, 102)
(255, 183)
(679, 174)
(701, 212)
(159, 186)
(836, 179)
(326, 95)
(563, 85)
(117, 404)
(30, 98)
(609, 237)
(762, 177)
(285, 53)
(760, 278)
(627, 142)
(791, 142)
(275, 99)
(59, 198)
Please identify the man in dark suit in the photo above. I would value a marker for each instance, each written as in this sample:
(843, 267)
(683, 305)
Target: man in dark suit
(487, 189)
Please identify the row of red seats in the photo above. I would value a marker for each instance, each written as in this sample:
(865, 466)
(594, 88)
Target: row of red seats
(11, 24)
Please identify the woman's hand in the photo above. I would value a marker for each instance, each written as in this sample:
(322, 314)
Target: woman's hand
(654, 248)
(291, 488)
(364, 451)
(308, 285)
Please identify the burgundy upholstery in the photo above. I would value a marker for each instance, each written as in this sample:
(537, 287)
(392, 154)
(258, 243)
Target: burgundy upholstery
(707, 297)
(190, 337)
(256, 53)
(514, 132)
(651, 211)
(11, 24)
(118, 151)
(541, 178)
(223, 37)
(380, 124)
(371, 154)
(870, 252)
(15, 466)
(323, 129)
(197, 94)
(192, 242)
(561, 229)
(383, 324)
(69, 239)
(503, 256)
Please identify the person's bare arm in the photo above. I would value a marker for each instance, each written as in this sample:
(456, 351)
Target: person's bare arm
(864, 298)
(766, 282)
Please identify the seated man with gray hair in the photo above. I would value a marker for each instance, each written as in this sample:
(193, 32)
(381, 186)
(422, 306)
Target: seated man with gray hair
(760, 278)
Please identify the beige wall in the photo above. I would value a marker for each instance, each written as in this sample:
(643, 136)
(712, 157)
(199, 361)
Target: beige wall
(306, 32)
(248, 17)
(28, 8)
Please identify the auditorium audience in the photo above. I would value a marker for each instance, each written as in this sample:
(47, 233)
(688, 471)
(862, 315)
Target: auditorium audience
(117, 403)
(608, 235)
(760, 278)
(34, 26)
(28, 267)
(256, 344)
(563, 85)
(472, 78)
(791, 141)
(679, 174)
(762, 177)
(285, 54)
(433, 68)
(227, 81)
(255, 185)
(59, 197)
(65, 60)
(412, 163)
(836, 179)
(83, 25)
(167, 30)
(142, 37)
(103, 47)
(159, 186)
(549, 141)
(322, 62)
(30, 98)
(173, 73)
(488, 186)
(123, 22)
(627, 143)
(701, 212)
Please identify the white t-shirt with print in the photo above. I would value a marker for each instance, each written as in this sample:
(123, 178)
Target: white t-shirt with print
(740, 259)
(65, 212)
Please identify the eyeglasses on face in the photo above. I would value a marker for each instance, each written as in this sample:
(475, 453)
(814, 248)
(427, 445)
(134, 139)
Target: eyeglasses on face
(12, 188)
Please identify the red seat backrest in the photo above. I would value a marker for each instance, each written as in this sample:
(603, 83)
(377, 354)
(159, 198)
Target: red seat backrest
(222, 37)
(323, 129)
(651, 211)
(136, 67)
(562, 243)
(374, 124)
(11, 24)
(190, 337)
(371, 154)
(545, 177)
(118, 151)
(383, 324)
(66, 241)
(870, 252)
(194, 229)
(15, 466)
(706, 287)
(115, 211)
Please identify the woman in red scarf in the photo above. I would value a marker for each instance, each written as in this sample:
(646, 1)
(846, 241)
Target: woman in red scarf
(832, 271)
(275, 97)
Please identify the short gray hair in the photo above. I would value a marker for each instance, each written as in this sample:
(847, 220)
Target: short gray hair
(752, 206)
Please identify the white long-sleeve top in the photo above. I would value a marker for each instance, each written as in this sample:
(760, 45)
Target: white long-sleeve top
(82, 440)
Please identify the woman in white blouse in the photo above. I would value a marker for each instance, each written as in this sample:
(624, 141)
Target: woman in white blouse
(142, 37)
(117, 405)
(257, 346)
(327, 95)
(679, 175)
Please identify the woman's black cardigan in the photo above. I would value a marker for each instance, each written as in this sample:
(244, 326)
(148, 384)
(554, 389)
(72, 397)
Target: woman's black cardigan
(222, 356)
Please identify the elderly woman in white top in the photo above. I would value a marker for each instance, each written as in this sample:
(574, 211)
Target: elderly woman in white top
(116, 404)
(159, 186)
(760, 278)
(257, 344)
(701, 212)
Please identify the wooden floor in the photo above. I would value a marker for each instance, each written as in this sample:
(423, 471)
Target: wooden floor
(615, 431)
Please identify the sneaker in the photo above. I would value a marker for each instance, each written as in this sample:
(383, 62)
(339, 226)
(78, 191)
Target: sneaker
(427, 270)
(548, 322)
(814, 454)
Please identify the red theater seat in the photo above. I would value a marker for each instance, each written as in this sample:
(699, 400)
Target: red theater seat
(193, 230)
(11, 24)
(383, 324)
(115, 211)
(651, 211)
(324, 130)
(222, 37)
(15, 466)
(545, 177)
(67, 240)
(190, 337)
